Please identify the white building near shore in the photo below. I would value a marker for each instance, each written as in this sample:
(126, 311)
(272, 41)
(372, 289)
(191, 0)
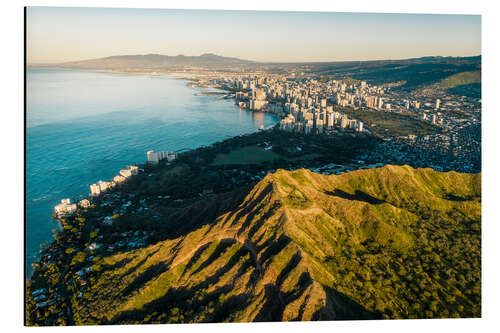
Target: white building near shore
(118, 179)
(153, 157)
(101, 186)
(65, 208)
(95, 189)
(129, 171)
(156, 157)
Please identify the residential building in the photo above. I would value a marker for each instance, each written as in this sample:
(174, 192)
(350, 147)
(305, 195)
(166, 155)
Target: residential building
(65, 208)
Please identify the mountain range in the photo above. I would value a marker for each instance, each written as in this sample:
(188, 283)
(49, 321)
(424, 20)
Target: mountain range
(159, 61)
(391, 242)
(151, 61)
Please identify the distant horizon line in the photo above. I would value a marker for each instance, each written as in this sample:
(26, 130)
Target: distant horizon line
(255, 61)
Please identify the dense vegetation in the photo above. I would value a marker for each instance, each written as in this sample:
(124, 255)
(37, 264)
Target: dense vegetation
(393, 242)
(471, 90)
(411, 73)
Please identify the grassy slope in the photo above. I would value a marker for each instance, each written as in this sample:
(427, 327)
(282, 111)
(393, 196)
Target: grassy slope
(392, 242)
(460, 79)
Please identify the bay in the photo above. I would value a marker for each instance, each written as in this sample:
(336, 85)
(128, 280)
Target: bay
(85, 126)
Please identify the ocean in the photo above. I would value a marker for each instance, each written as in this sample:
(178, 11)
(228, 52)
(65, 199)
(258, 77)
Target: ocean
(85, 126)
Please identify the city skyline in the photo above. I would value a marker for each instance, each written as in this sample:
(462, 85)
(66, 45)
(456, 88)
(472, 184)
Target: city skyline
(58, 34)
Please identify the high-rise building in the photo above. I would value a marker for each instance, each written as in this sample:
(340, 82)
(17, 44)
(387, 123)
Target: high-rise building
(65, 208)
(330, 119)
(438, 102)
(104, 185)
(380, 103)
(259, 94)
(309, 102)
(118, 179)
(153, 157)
(95, 189)
(308, 127)
(287, 123)
(344, 122)
(256, 104)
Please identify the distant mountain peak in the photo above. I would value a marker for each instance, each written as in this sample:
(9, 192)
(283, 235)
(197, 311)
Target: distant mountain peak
(152, 60)
(211, 55)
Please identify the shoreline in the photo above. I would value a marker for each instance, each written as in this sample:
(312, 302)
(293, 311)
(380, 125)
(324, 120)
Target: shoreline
(216, 94)
(121, 72)
(93, 220)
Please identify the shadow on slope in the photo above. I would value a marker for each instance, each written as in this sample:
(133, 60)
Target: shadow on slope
(344, 308)
(358, 196)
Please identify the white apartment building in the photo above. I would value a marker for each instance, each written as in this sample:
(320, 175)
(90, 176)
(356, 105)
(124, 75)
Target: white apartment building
(129, 171)
(125, 173)
(104, 186)
(65, 208)
(359, 127)
(153, 157)
(95, 189)
(118, 179)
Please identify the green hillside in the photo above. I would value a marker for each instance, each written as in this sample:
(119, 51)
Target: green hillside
(461, 79)
(392, 242)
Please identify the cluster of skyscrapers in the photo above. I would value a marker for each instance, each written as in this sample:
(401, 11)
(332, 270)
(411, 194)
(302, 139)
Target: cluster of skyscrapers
(304, 91)
(304, 105)
(318, 122)
(271, 93)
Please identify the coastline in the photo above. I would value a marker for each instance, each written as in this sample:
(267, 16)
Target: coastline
(75, 252)
(192, 77)
(151, 206)
(151, 72)
(217, 95)
(60, 221)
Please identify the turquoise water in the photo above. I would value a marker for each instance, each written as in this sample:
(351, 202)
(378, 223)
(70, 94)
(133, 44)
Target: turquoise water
(83, 127)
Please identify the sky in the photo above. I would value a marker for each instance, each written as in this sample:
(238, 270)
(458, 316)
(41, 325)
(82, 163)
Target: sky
(58, 34)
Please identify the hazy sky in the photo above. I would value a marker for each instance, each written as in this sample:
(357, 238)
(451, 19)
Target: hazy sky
(65, 34)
